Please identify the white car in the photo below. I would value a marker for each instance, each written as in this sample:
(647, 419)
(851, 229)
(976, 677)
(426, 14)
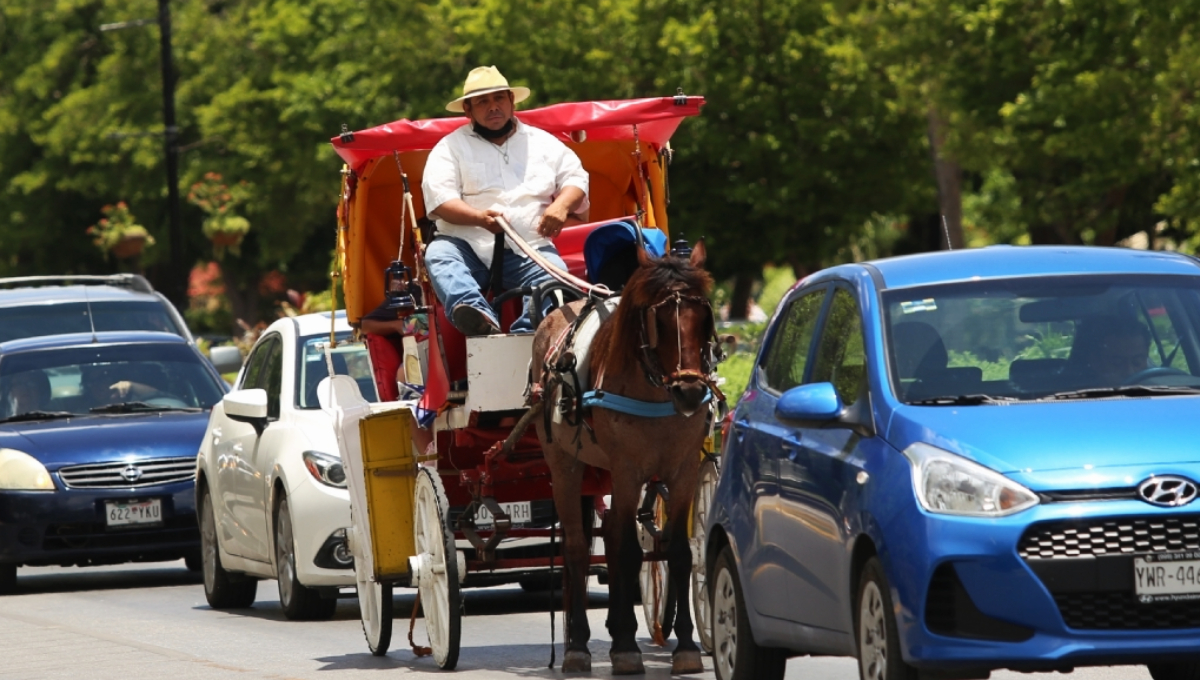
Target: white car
(270, 489)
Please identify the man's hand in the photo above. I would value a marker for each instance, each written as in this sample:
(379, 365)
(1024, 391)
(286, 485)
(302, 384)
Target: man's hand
(553, 220)
(487, 220)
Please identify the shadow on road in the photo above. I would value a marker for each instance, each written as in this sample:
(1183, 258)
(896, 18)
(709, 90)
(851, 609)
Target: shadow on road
(39, 580)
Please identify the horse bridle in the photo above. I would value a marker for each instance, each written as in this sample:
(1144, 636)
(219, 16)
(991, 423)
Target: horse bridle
(652, 366)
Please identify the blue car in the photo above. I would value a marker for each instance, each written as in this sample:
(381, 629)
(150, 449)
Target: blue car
(956, 462)
(98, 441)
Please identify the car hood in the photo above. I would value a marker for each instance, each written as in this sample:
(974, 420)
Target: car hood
(1086, 444)
(99, 438)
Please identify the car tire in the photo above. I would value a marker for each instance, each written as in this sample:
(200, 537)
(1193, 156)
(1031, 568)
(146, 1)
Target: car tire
(222, 589)
(299, 602)
(875, 635)
(8, 579)
(736, 656)
(194, 561)
(1178, 670)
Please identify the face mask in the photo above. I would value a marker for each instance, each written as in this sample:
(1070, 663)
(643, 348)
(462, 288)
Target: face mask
(488, 133)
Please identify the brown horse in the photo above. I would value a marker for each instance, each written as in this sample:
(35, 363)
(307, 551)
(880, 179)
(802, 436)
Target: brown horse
(663, 320)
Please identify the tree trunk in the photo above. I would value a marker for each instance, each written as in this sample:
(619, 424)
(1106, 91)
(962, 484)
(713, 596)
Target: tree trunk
(949, 182)
(739, 300)
(243, 298)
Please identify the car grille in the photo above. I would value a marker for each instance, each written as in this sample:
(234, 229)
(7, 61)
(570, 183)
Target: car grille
(1122, 611)
(121, 475)
(1128, 536)
(1110, 604)
(96, 536)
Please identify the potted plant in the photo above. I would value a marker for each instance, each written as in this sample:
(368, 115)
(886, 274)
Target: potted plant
(119, 234)
(223, 226)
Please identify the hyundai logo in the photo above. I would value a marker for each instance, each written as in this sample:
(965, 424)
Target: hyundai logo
(1168, 491)
(132, 473)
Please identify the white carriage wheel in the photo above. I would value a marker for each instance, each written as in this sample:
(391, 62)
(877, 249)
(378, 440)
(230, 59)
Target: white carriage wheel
(441, 599)
(375, 607)
(705, 488)
(658, 598)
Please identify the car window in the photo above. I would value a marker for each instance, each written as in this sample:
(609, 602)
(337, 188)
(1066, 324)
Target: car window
(840, 356)
(256, 364)
(82, 379)
(1033, 337)
(787, 357)
(348, 358)
(272, 378)
(72, 317)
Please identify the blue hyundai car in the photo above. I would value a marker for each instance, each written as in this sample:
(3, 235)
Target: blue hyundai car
(98, 441)
(955, 462)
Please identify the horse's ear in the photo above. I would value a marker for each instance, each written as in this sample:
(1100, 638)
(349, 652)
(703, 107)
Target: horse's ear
(699, 255)
(644, 258)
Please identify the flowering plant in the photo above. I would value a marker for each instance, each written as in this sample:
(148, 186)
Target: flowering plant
(222, 226)
(119, 233)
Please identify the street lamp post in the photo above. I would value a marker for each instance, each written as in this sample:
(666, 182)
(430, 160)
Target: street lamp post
(177, 278)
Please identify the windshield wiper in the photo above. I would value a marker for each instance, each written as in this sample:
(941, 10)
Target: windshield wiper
(963, 400)
(137, 407)
(38, 415)
(1123, 391)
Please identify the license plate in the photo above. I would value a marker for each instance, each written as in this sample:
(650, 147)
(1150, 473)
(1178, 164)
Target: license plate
(519, 513)
(125, 513)
(1169, 577)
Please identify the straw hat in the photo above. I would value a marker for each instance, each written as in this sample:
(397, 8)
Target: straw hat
(486, 80)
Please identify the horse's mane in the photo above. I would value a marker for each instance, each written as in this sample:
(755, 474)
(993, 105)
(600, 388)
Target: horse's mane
(617, 341)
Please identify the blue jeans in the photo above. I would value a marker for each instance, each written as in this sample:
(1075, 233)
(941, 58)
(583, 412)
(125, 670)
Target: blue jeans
(459, 276)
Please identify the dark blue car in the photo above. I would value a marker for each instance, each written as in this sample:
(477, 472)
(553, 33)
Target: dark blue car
(98, 442)
(956, 462)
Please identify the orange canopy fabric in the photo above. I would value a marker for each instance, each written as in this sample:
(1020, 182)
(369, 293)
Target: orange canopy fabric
(656, 120)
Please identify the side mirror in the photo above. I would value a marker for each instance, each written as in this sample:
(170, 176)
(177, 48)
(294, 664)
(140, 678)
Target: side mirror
(810, 405)
(247, 406)
(226, 359)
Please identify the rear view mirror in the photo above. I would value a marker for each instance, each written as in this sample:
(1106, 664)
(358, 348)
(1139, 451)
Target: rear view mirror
(247, 406)
(226, 359)
(812, 404)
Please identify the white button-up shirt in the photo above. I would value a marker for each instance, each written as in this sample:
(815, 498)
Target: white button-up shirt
(520, 178)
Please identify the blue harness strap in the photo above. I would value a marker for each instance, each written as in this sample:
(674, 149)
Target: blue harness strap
(634, 407)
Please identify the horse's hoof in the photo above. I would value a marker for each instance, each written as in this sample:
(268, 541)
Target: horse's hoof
(577, 661)
(627, 663)
(686, 662)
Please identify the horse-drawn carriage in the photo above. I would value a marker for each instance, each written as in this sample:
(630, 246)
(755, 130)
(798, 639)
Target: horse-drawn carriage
(448, 488)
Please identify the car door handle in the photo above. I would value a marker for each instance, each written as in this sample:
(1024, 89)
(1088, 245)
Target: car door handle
(791, 447)
(739, 429)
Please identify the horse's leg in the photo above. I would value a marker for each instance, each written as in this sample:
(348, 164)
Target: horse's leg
(686, 658)
(568, 480)
(624, 556)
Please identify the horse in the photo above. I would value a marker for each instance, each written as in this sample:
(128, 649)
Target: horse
(663, 319)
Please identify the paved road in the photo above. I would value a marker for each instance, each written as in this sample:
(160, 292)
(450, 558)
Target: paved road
(151, 621)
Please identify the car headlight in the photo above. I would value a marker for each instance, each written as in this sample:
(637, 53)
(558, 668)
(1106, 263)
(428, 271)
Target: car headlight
(952, 485)
(22, 472)
(325, 468)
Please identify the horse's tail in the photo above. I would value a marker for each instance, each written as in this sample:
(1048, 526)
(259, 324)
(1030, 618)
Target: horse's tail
(522, 425)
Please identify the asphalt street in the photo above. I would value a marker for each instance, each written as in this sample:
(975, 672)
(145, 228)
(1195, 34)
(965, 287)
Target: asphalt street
(151, 621)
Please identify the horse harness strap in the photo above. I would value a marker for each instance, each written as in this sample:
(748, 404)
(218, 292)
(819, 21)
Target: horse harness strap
(634, 407)
(652, 367)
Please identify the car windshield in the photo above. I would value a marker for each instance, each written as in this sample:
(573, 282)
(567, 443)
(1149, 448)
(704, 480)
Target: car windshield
(1044, 338)
(349, 358)
(33, 320)
(104, 378)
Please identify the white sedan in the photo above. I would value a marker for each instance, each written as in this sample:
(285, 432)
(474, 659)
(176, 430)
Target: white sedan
(270, 488)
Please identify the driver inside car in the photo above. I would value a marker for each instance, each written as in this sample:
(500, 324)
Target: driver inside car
(1110, 350)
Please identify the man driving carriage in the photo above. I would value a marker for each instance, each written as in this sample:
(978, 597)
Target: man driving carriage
(495, 166)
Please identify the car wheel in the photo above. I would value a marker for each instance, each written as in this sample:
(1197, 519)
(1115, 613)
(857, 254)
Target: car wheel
(877, 640)
(8, 578)
(222, 589)
(299, 602)
(736, 656)
(194, 561)
(1179, 670)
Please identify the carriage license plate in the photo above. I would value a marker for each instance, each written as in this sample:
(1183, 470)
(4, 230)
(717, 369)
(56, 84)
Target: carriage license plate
(519, 512)
(1169, 577)
(125, 513)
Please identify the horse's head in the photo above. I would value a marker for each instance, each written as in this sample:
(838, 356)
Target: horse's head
(667, 311)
